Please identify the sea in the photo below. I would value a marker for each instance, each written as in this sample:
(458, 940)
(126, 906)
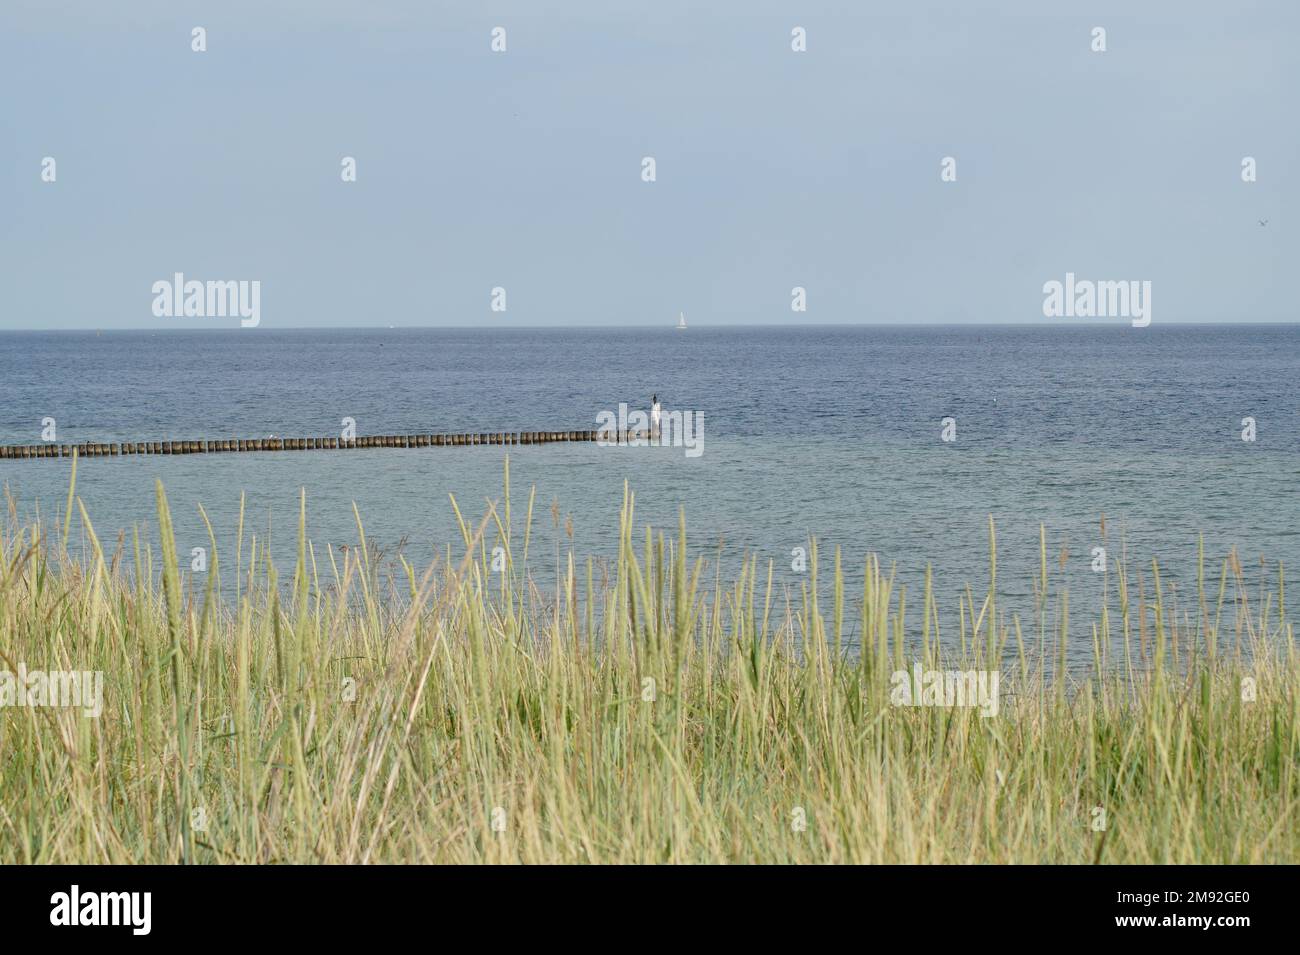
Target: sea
(1157, 444)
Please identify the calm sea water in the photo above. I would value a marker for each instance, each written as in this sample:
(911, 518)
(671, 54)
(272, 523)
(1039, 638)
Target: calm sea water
(833, 432)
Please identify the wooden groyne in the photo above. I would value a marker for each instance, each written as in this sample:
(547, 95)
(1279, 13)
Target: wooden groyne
(241, 445)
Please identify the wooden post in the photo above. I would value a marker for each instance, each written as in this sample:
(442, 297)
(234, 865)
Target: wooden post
(432, 439)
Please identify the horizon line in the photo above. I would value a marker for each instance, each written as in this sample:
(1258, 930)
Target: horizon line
(1104, 323)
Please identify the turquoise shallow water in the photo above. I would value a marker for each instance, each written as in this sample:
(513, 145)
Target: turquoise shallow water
(828, 432)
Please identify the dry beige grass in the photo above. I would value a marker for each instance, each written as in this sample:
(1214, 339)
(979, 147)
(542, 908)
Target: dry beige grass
(333, 719)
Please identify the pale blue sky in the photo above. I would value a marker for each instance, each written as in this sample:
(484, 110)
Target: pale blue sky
(522, 169)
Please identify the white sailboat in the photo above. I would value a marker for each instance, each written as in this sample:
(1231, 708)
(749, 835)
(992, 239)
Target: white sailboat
(681, 321)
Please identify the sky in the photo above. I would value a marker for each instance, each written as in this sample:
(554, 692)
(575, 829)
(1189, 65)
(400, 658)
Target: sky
(522, 169)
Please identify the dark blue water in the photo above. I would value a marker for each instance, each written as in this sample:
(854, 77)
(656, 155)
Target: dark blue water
(1011, 388)
(828, 431)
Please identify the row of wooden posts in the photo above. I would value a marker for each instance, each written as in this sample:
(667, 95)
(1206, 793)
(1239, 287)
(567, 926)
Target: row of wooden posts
(52, 450)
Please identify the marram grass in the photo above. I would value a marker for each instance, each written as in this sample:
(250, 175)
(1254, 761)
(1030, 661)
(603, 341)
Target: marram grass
(650, 711)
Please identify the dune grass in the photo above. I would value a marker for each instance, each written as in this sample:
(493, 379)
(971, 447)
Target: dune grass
(647, 711)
